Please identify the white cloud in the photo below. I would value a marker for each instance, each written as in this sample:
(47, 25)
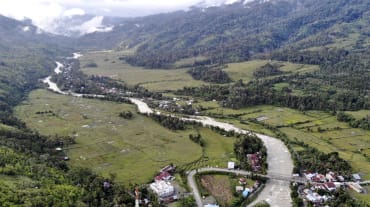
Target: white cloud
(45, 13)
(73, 12)
(93, 25)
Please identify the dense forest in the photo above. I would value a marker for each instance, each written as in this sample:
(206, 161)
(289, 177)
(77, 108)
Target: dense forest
(33, 172)
(212, 74)
(239, 32)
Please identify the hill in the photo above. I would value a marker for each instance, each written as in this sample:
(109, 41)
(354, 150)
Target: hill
(32, 171)
(237, 32)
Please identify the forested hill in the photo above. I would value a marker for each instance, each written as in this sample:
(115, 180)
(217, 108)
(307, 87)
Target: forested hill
(239, 31)
(26, 55)
(32, 172)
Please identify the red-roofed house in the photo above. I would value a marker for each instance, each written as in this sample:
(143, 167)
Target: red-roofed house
(330, 186)
(254, 160)
(163, 176)
(318, 178)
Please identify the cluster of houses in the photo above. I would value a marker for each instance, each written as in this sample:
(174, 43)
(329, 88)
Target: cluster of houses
(174, 106)
(162, 186)
(329, 182)
(246, 191)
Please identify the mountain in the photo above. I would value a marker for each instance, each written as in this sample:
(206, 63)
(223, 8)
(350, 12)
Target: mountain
(239, 31)
(26, 55)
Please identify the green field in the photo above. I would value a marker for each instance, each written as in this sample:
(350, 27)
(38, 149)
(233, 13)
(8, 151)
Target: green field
(108, 64)
(134, 149)
(318, 129)
(244, 70)
(362, 196)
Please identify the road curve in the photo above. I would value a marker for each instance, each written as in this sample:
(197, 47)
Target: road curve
(276, 193)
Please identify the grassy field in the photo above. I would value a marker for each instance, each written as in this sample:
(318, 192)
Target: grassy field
(361, 196)
(318, 129)
(108, 64)
(134, 149)
(244, 70)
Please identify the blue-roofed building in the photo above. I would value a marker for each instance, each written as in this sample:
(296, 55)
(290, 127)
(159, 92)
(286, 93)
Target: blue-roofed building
(246, 192)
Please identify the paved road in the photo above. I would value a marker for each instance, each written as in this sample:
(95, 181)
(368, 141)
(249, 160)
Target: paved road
(276, 193)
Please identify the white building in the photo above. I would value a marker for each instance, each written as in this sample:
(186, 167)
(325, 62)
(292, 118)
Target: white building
(230, 165)
(162, 189)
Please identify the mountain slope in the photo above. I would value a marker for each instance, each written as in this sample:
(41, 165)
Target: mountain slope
(236, 32)
(26, 55)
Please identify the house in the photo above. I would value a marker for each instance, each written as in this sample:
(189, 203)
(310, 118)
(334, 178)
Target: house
(331, 176)
(309, 175)
(242, 181)
(356, 177)
(355, 186)
(162, 188)
(330, 186)
(166, 176)
(169, 168)
(246, 192)
(318, 186)
(318, 178)
(254, 160)
(312, 196)
(239, 189)
(230, 165)
(340, 178)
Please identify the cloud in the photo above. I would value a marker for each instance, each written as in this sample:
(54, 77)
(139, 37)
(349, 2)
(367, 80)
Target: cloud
(93, 25)
(73, 12)
(46, 13)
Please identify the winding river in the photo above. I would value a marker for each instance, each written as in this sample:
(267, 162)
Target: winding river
(276, 193)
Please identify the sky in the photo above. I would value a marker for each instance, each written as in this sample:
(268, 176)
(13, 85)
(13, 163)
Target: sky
(39, 9)
(44, 13)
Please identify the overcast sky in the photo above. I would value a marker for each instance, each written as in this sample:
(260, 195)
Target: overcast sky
(41, 9)
(43, 13)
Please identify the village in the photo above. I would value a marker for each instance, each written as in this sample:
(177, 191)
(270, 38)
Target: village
(317, 190)
(321, 188)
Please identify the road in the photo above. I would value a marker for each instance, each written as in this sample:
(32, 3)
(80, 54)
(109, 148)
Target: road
(276, 192)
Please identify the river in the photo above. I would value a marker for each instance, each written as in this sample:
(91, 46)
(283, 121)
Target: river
(276, 193)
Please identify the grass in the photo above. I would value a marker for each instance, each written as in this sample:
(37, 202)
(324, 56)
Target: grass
(359, 114)
(189, 61)
(134, 149)
(318, 129)
(362, 196)
(244, 70)
(219, 149)
(108, 64)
